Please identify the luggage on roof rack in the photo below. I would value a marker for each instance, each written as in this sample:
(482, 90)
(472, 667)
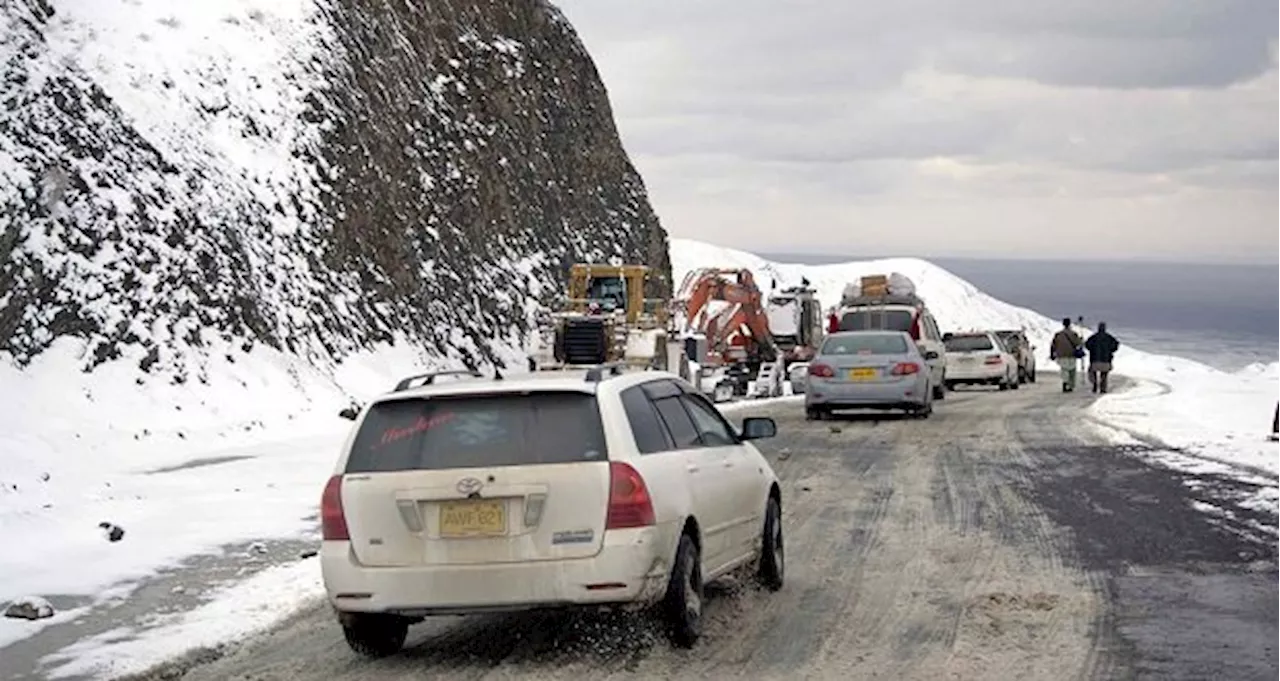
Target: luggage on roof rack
(879, 286)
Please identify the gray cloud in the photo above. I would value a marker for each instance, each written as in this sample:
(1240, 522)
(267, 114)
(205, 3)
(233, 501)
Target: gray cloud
(745, 116)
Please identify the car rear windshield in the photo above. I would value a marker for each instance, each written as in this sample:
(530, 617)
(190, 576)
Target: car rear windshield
(865, 344)
(488, 430)
(876, 320)
(968, 343)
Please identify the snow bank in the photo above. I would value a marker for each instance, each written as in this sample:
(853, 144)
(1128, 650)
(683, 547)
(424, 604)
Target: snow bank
(183, 469)
(229, 614)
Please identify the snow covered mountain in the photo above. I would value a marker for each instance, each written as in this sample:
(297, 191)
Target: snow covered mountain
(956, 303)
(180, 182)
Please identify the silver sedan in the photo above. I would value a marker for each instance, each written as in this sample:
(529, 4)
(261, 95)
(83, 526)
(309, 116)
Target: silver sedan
(868, 370)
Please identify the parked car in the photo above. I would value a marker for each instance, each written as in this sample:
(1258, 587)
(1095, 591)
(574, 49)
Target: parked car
(869, 370)
(796, 375)
(543, 491)
(1023, 352)
(979, 358)
(905, 313)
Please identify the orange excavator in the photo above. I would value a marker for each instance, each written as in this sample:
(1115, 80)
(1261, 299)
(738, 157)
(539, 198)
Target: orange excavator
(736, 331)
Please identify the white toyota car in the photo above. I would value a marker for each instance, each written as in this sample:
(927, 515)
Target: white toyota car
(542, 491)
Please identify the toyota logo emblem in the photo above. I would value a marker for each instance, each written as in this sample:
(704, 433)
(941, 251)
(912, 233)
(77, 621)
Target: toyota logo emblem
(469, 485)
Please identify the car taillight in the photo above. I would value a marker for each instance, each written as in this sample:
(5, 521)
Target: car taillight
(906, 369)
(915, 328)
(821, 371)
(333, 524)
(993, 359)
(629, 502)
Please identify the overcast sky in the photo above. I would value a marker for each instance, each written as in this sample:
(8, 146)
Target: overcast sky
(1027, 128)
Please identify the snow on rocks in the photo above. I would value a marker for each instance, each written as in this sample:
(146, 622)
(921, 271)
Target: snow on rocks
(111, 531)
(29, 608)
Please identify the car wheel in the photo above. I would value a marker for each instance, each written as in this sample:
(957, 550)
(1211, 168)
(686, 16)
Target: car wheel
(1004, 384)
(1031, 375)
(374, 635)
(772, 557)
(940, 391)
(683, 602)
(812, 414)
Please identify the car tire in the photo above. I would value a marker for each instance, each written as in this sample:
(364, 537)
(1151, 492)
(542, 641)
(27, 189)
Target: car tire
(683, 602)
(1031, 375)
(374, 635)
(1004, 384)
(940, 390)
(772, 556)
(812, 414)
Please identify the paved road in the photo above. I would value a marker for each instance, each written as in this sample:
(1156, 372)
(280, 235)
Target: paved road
(997, 540)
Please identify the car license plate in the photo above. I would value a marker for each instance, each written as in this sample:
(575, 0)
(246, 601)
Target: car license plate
(862, 374)
(472, 519)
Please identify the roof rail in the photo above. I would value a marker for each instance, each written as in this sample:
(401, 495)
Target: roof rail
(406, 382)
(597, 373)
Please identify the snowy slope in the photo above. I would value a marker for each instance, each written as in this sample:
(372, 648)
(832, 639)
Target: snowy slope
(956, 303)
(1213, 414)
(221, 221)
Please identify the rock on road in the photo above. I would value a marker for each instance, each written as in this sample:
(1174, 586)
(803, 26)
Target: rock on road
(999, 539)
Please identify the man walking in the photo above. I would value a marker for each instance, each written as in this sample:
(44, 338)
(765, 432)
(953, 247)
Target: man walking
(1102, 348)
(1066, 349)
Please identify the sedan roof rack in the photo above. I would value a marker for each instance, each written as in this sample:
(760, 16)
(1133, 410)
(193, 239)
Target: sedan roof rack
(597, 373)
(430, 378)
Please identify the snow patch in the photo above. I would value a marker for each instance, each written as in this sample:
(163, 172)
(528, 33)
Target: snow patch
(230, 613)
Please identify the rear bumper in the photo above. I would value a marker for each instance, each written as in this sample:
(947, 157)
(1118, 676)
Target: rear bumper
(866, 395)
(959, 373)
(631, 568)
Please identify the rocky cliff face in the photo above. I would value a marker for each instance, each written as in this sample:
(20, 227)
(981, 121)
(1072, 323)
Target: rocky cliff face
(180, 179)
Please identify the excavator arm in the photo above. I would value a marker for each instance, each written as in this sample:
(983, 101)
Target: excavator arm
(702, 286)
(736, 287)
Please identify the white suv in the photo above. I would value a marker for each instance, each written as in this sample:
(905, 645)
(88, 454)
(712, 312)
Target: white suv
(542, 491)
(980, 357)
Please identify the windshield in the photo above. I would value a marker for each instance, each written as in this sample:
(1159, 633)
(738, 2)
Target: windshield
(876, 319)
(968, 343)
(485, 430)
(610, 291)
(865, 344)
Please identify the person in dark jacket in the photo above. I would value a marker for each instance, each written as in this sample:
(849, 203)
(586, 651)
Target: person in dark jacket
(1066, 349)
(1102, 348)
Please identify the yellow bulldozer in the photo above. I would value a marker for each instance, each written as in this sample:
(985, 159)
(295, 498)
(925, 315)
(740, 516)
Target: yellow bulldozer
(606, 318)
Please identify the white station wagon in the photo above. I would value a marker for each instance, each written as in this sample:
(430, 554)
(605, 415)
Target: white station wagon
(543, 491)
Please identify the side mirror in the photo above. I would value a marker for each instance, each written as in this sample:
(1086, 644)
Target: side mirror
(350, 413)
(758, 428)
(948, 336)
(931, 354)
